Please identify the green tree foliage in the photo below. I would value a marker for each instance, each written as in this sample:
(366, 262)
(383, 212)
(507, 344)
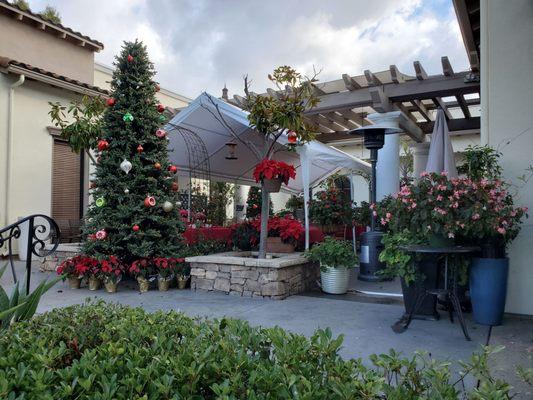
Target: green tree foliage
(253, 203)
(51, 14)
(220, 197)
(481, 162)
(120, 197)
(22, 4)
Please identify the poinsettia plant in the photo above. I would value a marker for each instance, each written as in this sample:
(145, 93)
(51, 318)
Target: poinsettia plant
(142, 268)
(79, 266)
(287, 228)
(272, 169)
(111, 269)
(166, 267)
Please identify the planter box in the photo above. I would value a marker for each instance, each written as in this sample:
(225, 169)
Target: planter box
(239, 273)
(275, 245)
(428, 310)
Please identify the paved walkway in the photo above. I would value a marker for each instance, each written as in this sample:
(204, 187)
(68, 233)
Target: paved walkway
(365, 326)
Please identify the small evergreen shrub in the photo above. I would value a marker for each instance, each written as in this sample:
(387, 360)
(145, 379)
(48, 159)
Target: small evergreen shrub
(105, 351)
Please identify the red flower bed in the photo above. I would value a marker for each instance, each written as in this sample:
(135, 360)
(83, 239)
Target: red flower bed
(287, 228)
(270, 169)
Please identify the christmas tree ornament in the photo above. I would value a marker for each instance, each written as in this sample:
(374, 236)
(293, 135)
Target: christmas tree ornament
(125, 166)
(130, 58)
(140, 149)
(161, 133)
(162, 118)
(135, 228)
(168, 206)
(178, 204)
(157, 165)
(292, 137)
(149, 201)
(110, 102)
(157, 88)
(126, 191)
(160, 108)
(174, 186)
(173, 169)
(101, 234)
(127, 117)
(119, 82)
(92, 185)
(103, 145)
(100, 202)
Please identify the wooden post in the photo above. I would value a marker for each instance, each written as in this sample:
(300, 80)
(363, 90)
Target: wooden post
(263, 234)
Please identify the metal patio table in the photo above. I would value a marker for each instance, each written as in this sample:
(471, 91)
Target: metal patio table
(450, 293)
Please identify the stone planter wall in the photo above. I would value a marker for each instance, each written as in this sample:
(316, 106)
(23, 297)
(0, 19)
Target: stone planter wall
(236, 273)
(64, 251)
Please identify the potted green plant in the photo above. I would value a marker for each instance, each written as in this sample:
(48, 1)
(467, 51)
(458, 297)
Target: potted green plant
(142, 270)
(183, 272)
(337, 259)
(111, 273)
(330, 209)
(295, 205)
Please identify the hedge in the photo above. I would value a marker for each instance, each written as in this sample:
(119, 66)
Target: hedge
(108, 351)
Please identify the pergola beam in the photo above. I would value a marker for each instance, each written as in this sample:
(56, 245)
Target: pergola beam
(464, 107)
(420, 72)
(447, 69)
(396, 75)
(340, 120)
(350, 83)
(421, 108)
(458, 124)
(372, 79)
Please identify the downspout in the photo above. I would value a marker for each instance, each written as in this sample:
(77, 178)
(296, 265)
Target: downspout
(9, 147)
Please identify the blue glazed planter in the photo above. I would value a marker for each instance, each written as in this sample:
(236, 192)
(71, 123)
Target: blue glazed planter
(488, 289)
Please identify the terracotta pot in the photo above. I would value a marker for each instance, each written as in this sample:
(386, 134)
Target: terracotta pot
(163, 284)
(272, 185)
(94, 283)
(144, 284)
(275, 245)
(110, 286)
(74, 283)
(182, 281)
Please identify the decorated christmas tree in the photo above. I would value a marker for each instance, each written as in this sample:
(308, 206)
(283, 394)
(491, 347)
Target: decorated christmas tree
(134, 213)
(253, 202)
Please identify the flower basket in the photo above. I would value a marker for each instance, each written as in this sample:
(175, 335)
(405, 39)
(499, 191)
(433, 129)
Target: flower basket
(163, 284)
(74, 283)
(272, 185)
(94, 283)
(110, 286)
(276, 245)
(144, 284)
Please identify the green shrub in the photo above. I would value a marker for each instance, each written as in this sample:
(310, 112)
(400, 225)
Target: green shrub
(333, 253)
(104, 351)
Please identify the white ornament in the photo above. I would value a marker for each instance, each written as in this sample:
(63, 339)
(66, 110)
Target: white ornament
(125, 166)
(178, 204)
(168, 206)
(127, 191)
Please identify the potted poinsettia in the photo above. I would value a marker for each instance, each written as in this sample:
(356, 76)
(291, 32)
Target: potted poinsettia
(142, 270)
(183, 272)
(272, 174)
(74, 269)
(165, 268)
(337, 258)
(93, 272)
(111, 270)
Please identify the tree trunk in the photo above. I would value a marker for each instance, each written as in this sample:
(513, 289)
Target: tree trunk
(265, 202)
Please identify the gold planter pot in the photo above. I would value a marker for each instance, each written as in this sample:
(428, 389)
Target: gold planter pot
(74, 283)
(182, 281)
(163, 284)
(110, 286)
(144, 284)
(94, 283)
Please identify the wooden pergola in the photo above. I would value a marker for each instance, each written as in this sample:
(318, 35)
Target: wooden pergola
(345, 103)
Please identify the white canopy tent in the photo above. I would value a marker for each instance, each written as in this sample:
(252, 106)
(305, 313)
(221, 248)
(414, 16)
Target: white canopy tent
(215, 123)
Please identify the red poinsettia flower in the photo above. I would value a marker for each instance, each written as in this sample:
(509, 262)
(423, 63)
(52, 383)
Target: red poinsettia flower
(270, 169)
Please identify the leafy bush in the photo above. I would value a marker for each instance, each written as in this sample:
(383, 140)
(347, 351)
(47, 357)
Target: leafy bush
(104, 351)
(333, 253)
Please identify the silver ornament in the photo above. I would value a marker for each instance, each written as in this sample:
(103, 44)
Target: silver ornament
(125, 166)
(127, 191)
(178, 204)
(168, 206)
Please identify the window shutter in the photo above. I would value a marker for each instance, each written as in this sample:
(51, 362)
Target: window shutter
(66, 183)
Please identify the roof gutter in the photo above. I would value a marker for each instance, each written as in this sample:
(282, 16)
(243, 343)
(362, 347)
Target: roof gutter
(9, 144)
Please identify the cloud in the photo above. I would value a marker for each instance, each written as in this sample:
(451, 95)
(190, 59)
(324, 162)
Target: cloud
(201, 45)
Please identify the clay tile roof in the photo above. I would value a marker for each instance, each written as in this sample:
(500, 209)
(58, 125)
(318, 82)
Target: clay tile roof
(7, 63)
(7, 4)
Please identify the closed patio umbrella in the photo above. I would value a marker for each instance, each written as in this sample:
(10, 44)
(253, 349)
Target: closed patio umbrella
(441, 157)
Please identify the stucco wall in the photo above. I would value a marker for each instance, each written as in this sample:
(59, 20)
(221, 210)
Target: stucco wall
(31, 172)
(30, 45)
(507, 123)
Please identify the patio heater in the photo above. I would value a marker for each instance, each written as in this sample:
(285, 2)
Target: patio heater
(371, 246)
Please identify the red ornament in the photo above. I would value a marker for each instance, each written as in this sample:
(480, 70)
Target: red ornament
(149, 201)
(92, 185)
(161, 133)
(140, 149)
(157, 88)
(103, 145)
(175, 186)
(110, 102)
(292, 137)
(157, 165)
(130, 58)
(160, 108)
(173, 169)
(98, 159)
(135, 228)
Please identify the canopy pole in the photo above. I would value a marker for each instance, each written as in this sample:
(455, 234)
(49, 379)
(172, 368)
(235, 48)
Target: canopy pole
(352, 195)
(304, 162)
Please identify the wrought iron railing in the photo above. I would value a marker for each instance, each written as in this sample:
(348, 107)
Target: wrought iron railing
(42, 230)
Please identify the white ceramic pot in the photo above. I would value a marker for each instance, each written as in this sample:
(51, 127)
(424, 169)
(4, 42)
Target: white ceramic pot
(335, 280)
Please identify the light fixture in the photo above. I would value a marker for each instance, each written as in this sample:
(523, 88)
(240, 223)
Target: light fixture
(231, 151)
(373, 140)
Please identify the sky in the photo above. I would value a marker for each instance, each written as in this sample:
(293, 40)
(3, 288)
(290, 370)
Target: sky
(202, 45)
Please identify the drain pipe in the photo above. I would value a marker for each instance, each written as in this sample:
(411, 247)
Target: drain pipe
(9, 147)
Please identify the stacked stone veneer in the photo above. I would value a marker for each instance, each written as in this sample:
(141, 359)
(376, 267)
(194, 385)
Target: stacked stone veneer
(237, 273)
(63, 251)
